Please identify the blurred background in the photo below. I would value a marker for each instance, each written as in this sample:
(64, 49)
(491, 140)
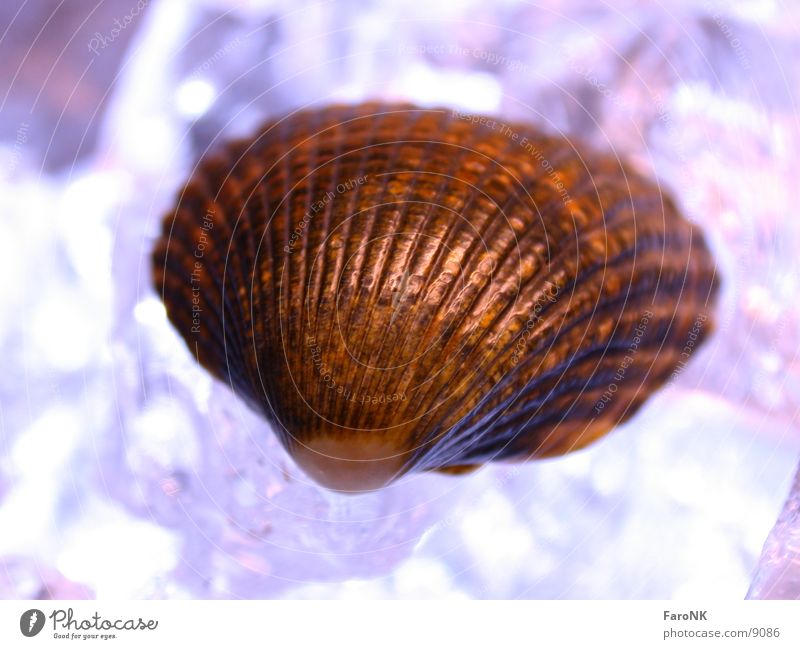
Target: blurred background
(125, 471)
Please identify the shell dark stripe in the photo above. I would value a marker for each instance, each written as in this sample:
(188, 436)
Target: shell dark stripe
(527, 309)
(337, 242)
(572, 326)
(399, 289)
(601, 352)
(574, 320)
(557, 403)
(314, 239)
(439, 185)
(373, 265)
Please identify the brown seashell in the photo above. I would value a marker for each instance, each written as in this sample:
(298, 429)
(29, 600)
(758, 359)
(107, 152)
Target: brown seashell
(402, 289)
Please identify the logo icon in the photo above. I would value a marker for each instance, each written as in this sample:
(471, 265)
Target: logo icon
(31, 622)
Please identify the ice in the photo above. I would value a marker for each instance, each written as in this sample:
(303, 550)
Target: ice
(126, 471)
(778, 575)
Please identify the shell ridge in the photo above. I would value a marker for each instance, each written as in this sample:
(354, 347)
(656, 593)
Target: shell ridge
(488, 223)
(233, 276)
(273, 308)
(371, 216)
(499, 356)
(455, 162)
(591, 386)
(454, 225)
(307, 171)
(622, 335)
(214, 300)
(333, 212)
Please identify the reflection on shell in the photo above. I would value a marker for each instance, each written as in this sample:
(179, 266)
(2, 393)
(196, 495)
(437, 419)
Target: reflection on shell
(401, 289)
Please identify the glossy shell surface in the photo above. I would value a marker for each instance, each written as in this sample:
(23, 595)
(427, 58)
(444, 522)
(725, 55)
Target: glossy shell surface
(403, 289)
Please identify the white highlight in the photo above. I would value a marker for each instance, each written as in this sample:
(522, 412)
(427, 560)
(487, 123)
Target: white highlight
(194, 97)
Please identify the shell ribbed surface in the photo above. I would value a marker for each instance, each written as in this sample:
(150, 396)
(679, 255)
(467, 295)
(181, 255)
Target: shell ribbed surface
(401, 289)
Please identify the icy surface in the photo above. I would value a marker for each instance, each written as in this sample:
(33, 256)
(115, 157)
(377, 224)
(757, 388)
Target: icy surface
(126, 471)
(778, 575)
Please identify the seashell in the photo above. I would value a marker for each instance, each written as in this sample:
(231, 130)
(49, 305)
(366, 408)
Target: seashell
(401, 289)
